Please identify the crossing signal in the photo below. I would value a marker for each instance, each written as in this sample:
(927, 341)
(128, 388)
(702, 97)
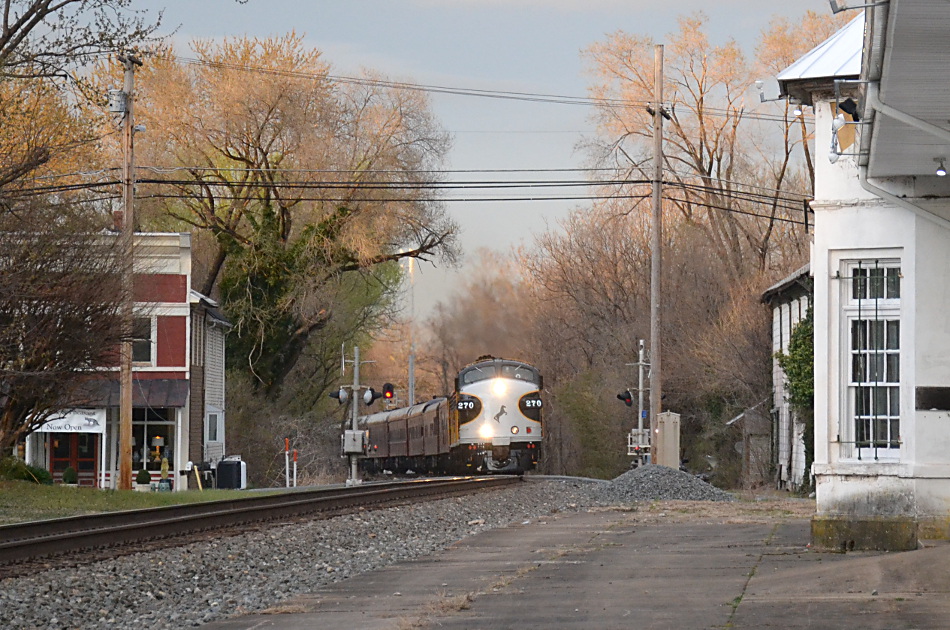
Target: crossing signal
(370, 396)
(626, 397)
(342, 396)
(388, 392)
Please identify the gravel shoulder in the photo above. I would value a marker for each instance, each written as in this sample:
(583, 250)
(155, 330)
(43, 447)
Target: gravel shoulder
(208, 581)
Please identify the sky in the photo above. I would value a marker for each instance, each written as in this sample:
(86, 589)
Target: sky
(531, 46)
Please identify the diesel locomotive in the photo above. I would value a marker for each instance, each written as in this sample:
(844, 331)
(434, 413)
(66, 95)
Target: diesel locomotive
(491, 423)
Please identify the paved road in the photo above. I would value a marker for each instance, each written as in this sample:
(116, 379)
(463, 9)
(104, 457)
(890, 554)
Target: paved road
(617, 570)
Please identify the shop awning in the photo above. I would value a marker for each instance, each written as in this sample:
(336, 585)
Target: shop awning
(160, 392)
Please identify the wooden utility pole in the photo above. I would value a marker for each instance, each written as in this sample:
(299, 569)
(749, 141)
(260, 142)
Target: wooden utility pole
(128, 234)
(656, 244)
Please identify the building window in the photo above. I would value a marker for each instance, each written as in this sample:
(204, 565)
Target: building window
(873, 315)
(153, 437)
(142, 340)
(212, 427)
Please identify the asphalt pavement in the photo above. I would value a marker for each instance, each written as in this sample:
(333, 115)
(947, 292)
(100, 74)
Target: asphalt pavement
(609, 569)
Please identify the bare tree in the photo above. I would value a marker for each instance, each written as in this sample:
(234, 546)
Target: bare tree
(725, 174)
(59, 313)
(43, 44)
(50, 38)
(291, 181)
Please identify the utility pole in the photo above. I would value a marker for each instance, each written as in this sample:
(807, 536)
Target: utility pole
(127, 236)
(656, 382)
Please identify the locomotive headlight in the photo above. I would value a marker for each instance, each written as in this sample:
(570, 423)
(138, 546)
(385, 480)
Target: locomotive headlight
(485, 432)
(514, 430)
(499, 387)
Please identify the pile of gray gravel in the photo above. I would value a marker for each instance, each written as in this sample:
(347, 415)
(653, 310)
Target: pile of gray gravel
(653, 482)
(210, 580)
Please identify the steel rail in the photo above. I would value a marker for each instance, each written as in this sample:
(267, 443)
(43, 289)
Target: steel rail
(36, 539)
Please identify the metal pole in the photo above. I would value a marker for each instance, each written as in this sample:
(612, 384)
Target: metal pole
(412, 341)
(656, 382)
(640, 393)
(354, 416)
(127, 236)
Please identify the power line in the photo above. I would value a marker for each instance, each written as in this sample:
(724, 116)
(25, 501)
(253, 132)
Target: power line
(738, 195)
(793, 204)
(771, 193)
(558, 99)
(736, 211)
(326, 171)
(395, 185)
(493, 199)
(413, 199)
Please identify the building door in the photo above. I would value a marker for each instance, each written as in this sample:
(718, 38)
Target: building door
(79, 450)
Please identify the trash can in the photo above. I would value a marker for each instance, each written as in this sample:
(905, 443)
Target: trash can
(232, 473)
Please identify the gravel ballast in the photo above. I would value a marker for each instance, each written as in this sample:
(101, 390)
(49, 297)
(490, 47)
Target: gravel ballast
(206, 581)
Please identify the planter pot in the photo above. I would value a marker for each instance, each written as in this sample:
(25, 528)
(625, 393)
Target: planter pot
(143, 487)
(71, 485)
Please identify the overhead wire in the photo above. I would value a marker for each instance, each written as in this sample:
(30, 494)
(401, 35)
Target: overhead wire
(787, 201)
(771, 193)
(775, 199)
(614, 196)
(558, 99)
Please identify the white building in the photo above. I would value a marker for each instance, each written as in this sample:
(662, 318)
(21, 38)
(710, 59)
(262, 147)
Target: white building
(880, 259)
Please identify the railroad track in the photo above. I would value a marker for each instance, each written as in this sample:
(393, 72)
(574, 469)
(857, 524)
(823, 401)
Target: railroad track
(25, 544)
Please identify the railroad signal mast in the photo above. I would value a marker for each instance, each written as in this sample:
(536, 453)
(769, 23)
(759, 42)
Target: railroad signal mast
(355, 442)
(638, 440)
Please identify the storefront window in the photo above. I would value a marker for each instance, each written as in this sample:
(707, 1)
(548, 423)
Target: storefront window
(153, 435)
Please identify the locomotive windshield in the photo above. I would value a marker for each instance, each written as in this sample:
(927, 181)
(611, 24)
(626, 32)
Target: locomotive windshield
(503, 369)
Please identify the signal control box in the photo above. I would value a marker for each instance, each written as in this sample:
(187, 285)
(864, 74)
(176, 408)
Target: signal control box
(355, 442)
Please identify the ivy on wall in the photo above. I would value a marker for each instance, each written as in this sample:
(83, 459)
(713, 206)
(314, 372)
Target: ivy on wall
(799, 367)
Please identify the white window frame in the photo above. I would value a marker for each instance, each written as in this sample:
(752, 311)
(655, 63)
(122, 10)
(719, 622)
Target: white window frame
(876, 359)
(153, 350)
(215, 416)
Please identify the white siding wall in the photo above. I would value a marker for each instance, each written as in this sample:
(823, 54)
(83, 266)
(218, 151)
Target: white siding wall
(214, 391)
(790, 457)
(214, 367)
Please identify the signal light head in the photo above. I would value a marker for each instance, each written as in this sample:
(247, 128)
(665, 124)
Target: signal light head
(388, 391)
(342, 396)
(370, 396)
(626, 397)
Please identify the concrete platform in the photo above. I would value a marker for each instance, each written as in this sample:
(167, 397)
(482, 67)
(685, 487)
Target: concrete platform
(610, 570)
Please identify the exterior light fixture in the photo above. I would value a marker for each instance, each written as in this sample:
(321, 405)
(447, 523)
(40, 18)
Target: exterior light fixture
(941, 167)
(839, 122)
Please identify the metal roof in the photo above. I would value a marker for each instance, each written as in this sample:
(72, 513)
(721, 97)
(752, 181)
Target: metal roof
(900, 51)
(159, 392)
(909, 56)
(797, 282)
(837, 57)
